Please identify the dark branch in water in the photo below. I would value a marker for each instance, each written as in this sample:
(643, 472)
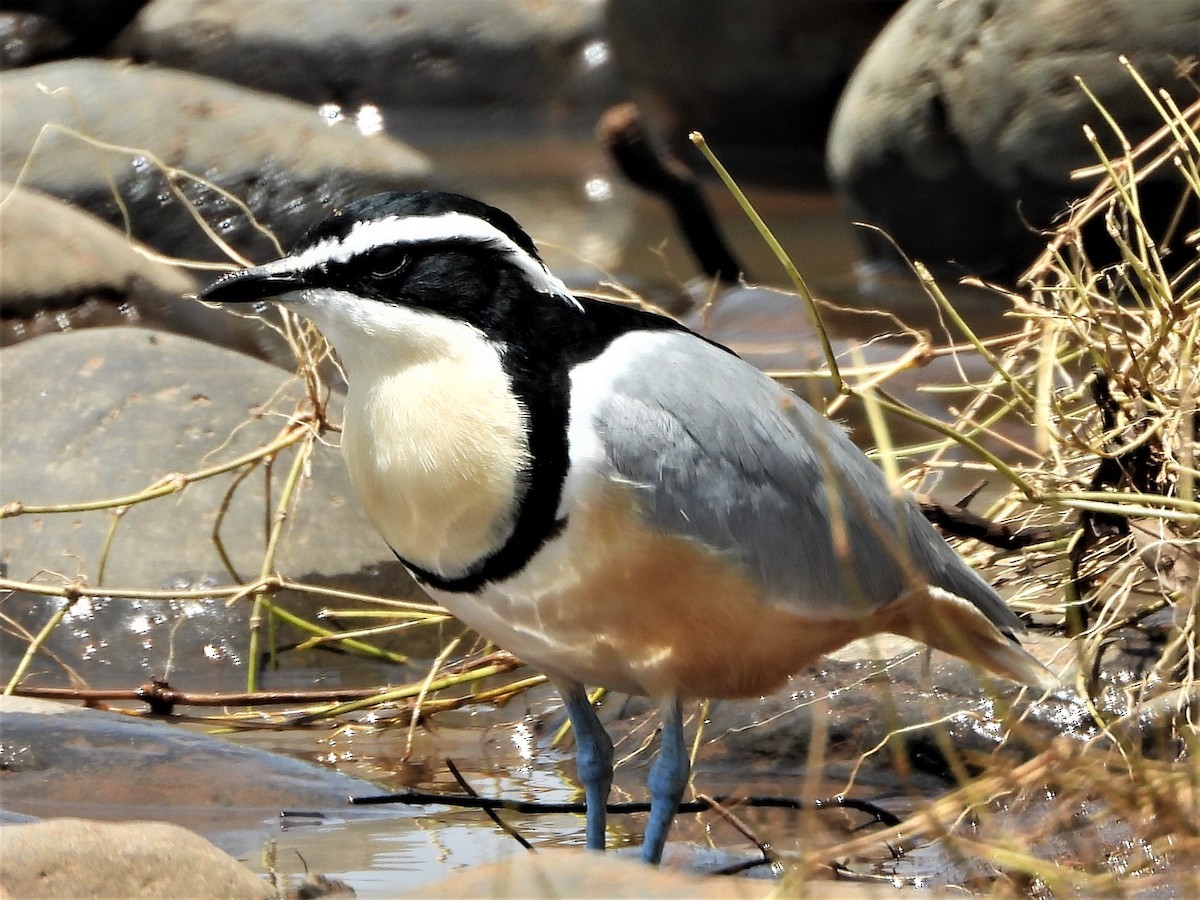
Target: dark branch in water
(665, 176)
(424, 798)
(491, 813)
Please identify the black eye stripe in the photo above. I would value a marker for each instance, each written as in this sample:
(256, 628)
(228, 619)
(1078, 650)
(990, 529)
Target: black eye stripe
(384, 262)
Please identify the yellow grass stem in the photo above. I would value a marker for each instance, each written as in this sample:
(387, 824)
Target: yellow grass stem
(31, 650)
(434, 667)
(780, 254)
(168, 484)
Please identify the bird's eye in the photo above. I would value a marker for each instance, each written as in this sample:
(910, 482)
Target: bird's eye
(386, 262)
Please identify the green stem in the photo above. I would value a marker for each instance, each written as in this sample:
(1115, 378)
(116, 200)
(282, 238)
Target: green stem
(780, 254)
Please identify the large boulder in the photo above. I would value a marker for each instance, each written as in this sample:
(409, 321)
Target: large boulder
(959, 131)
(279, 157)
(537, 54)
(63, 759)
(107, 412)
(760, 78)
(65, 27)
(82, 858)
(63, 268)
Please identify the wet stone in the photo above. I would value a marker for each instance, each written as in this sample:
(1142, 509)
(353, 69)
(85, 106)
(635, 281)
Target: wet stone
(288, 175)
(108, 412)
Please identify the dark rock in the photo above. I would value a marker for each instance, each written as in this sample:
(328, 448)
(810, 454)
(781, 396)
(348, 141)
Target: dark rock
(86, 25)
(772, 329)
(959, 130)
(82, 858)
(58, 757)
(26, 38)
(106, 412)
(537, 54)
(62, 268)
(15, 818)
(279, 157)
(759, 79)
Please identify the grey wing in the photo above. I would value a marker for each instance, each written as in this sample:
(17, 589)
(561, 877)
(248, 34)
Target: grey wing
(726, 456)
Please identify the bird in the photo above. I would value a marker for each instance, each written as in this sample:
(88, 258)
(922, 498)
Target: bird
(610, 496)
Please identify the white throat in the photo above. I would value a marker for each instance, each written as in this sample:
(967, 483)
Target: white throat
(434, 437)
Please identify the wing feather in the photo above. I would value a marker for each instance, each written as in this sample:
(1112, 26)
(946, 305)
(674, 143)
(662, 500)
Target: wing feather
(725, 456)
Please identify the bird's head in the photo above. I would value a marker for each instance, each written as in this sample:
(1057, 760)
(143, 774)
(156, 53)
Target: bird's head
(407, 267)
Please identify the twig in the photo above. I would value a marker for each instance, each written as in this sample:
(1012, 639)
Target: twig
(163, 698)
(297, 430)
(491, 812)
(766, 856)
(961, 522)
(664, 175)
(262, 601)
(34, 645)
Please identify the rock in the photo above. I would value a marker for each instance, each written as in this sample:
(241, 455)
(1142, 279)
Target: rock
(82, 858)
(87, 25)
(106, 412)
(277, 156)
(759, 79)
(62, 268)
(58, 757)
(772, 329)
(26, 38)
(542, 55)
(960, 128)
(554, 873)
(53, 255)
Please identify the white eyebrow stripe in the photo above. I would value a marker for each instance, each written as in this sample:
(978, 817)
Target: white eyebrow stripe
(415, 230)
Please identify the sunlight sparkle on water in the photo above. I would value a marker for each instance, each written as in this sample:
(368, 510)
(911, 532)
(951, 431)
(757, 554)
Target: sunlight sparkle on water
(369, 119)
(598, 189)
(522, 738)
(595, 54)
(81, 610)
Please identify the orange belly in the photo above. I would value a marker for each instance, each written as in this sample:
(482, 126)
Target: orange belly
(618, 605)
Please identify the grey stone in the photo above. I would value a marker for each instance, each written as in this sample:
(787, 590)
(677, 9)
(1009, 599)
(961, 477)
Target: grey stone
(26, 37)
(57, 757)
(53, 254)
(62, 268)
(759, 78)
(89, 25)
(555, 872)
(82, 858)
(276, 155)
(959, 131)
(106, 412)
(428, 54)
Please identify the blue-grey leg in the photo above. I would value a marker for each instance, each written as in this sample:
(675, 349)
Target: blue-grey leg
(668, 779)
(593, 758)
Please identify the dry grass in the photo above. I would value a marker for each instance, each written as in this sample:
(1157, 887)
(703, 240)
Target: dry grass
(1102, 376)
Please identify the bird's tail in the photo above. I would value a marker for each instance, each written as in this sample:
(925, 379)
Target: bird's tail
(946, 621)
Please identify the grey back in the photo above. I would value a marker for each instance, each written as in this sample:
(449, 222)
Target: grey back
(724, 455)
